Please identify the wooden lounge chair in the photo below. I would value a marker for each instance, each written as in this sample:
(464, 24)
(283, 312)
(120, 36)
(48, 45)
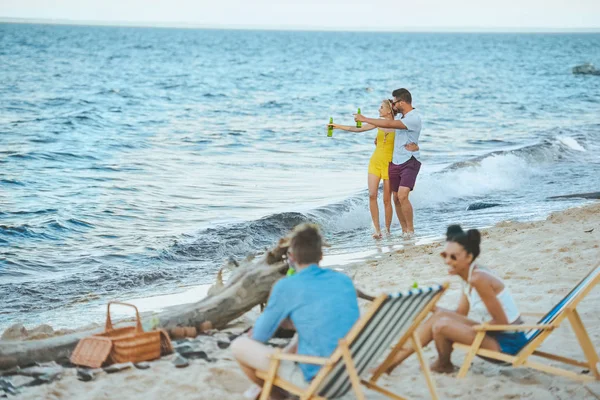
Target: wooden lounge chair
(536, 334)
(390, 317)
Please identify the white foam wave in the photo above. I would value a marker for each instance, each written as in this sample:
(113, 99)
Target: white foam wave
(493, 174)
(570, 143)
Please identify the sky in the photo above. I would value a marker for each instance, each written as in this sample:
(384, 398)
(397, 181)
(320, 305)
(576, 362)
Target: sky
(321, 14)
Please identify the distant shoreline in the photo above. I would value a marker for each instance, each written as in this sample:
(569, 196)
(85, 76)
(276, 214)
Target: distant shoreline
(187, 25)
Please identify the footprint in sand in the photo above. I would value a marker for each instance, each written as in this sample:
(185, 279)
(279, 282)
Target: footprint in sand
(228, 379)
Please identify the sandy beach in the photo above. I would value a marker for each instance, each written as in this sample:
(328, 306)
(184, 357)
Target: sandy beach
(540, 261)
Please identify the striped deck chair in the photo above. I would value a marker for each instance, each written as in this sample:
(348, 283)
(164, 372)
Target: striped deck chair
(390, 317)
(536, 334)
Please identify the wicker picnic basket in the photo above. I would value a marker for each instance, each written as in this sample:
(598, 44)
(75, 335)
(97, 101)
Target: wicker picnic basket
(126, 344)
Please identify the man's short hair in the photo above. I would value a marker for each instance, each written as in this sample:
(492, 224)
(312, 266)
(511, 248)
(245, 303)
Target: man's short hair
(307, 244)
(402, 94)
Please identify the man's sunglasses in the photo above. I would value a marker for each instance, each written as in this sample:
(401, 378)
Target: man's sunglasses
(394, 101)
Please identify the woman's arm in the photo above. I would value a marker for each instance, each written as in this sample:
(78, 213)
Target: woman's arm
(483, 284)
(364, 128)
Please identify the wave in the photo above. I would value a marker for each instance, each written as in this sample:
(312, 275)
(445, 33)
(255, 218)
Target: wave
(9, 233)
(274, 104)
(235, 239)
(11, 182)
(49, 229)
(473, 179)
(200, 254)
(100, 281)
(189, 256)
(491, 174)
(496, 172)
(52, 156)
(570, 143)
(543, 150)
(36, 212)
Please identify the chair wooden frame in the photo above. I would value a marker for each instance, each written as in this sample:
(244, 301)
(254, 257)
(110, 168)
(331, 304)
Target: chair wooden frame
(343, 352)
(521, 359)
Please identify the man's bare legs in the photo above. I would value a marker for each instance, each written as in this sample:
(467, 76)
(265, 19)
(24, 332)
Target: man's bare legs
(399, 213)
(405, 209)
(445, 327)
(387, 204)
(373, 207)
(252, 356)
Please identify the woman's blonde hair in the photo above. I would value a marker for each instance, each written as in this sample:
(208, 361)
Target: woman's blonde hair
(389, 104)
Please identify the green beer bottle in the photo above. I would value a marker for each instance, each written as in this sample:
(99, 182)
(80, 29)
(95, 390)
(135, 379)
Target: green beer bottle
(330, 128)
(358, 123)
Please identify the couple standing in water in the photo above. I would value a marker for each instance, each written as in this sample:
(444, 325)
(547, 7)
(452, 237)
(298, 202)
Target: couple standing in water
(395, 159)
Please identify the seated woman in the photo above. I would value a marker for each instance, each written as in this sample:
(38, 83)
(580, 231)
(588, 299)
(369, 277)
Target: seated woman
(485, 297)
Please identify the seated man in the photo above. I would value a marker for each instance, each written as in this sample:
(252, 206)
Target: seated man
(321, 303)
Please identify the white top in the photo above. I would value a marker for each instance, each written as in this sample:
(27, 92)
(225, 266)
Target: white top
(478, 308)
(412, 120)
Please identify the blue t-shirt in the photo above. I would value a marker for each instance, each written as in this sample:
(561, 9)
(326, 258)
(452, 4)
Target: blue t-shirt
(321, 303)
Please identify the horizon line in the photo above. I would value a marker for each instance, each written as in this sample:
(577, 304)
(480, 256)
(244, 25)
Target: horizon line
(299, 28)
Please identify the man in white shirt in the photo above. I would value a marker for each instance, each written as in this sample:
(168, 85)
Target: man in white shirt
(405, 165)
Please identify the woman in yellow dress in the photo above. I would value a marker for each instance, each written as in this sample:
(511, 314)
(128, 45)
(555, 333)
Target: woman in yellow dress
(378, 165)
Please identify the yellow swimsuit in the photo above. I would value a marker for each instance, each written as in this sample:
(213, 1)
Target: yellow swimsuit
(382, 156)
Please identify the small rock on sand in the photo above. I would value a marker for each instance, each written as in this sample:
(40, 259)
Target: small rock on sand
(15, 332)
(40, 332)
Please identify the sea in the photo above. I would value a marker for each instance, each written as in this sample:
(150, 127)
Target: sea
(135, 161)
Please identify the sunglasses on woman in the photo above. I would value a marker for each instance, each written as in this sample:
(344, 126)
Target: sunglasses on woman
(446, 255)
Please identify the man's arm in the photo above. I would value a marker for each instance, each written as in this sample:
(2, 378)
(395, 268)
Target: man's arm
(381, 123)
(275, 312)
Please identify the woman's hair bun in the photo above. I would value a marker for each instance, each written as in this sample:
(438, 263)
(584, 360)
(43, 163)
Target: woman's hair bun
(453, 231)
(474, 236)
(470, 239)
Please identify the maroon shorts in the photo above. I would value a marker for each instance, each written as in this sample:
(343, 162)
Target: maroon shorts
(404, 174)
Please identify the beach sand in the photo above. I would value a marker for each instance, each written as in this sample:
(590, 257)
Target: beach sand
(540, 261)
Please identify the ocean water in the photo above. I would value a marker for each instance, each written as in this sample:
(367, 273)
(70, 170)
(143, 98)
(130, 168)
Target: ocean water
(134, 161)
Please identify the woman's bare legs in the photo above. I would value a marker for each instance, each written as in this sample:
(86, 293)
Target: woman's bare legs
(445, 327)
(373, 207)
(448, 330)
(387, 204)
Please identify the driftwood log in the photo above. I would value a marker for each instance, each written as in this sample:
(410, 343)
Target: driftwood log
(248, 286)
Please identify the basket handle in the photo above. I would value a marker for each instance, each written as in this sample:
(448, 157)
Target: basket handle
(109, 325)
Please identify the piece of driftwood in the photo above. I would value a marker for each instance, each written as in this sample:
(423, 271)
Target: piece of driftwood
(248, 286)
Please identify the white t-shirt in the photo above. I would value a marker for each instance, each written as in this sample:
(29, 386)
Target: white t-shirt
(412, 120)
